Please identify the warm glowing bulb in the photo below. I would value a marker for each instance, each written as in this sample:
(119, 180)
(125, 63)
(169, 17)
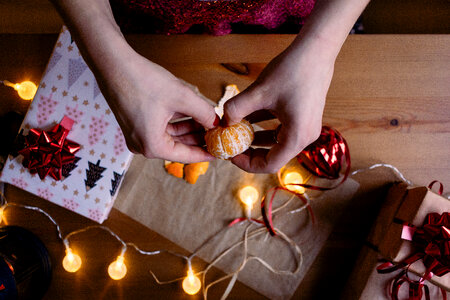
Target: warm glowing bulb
(191, 284)
(248, 195)
(117, 269)
(1, 213)
(295, 178)
(26, 90)
(71, 262)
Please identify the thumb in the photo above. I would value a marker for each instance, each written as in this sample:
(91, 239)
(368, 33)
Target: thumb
(241, 106)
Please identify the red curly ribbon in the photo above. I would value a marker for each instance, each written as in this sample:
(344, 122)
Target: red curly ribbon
(416, 288)
(239, 220)
(432, 242)
(267, 217)
(441, 186)
(324, 157)
(46, 152)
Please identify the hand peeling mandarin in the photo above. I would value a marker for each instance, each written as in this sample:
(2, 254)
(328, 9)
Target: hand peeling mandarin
(227, 142)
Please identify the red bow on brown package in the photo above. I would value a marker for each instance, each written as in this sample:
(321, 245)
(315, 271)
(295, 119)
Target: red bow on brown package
(46, 152)
(432, 242)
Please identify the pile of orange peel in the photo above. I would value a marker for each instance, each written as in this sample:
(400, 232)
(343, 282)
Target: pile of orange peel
(190, 172)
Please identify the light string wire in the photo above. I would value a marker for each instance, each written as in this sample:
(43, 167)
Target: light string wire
(259, 231)
(234, 275)
(396, 171)
(228, 250)
(247, 258)
(247, 235)
(4, 204)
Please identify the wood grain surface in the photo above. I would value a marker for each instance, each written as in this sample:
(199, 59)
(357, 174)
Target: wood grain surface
(390, 98)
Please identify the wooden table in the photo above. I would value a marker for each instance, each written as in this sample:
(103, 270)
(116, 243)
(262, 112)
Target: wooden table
(390, 97)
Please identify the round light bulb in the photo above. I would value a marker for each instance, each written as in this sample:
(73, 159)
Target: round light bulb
(71, 262)
(26, 90)
(248, 195)
(117, 269)
(191, 284)
(295, 178)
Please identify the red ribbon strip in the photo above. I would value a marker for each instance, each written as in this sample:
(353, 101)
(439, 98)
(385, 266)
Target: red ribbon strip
(441, 186)
(239, 220)
(267, 217)
(432, 242)
(415, 287)
(324, 157)
(46, 152)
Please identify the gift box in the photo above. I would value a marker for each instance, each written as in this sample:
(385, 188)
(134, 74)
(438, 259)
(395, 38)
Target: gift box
(85, 181)
(406, 208)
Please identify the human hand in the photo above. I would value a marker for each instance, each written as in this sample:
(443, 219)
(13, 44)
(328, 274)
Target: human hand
(293, 88)
(145, 98)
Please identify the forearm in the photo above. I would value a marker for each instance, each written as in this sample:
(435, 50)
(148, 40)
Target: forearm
(328, 25)
(92, 26)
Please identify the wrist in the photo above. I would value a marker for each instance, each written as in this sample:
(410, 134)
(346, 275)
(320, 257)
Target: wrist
(96, 33)
(328, 26)
(314, 48)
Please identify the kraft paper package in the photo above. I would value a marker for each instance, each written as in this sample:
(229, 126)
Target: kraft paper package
(402, 205)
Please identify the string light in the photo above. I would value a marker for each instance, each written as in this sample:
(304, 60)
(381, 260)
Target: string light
(72, 261)
(290, 179)
(25, 89)
(2, 208)
(191, 284)
(248, 195)
(117, 269)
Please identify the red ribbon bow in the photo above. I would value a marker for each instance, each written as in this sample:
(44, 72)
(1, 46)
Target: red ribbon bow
(432, 242)
(46, 152)
(324, 157)
(433, 238)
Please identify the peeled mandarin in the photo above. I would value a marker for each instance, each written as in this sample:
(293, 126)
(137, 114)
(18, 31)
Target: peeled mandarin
(227, 142)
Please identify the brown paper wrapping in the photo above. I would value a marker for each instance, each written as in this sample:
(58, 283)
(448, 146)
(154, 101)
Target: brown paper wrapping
(190, 214)
(406, 204)
(417, 204)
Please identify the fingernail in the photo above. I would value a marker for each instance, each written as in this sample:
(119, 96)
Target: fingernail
(216, 121)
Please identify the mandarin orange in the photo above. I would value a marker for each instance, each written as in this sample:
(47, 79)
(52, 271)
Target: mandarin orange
(227, 142)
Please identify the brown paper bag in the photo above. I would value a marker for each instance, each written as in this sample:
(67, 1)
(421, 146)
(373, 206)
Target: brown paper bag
(190, 214)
